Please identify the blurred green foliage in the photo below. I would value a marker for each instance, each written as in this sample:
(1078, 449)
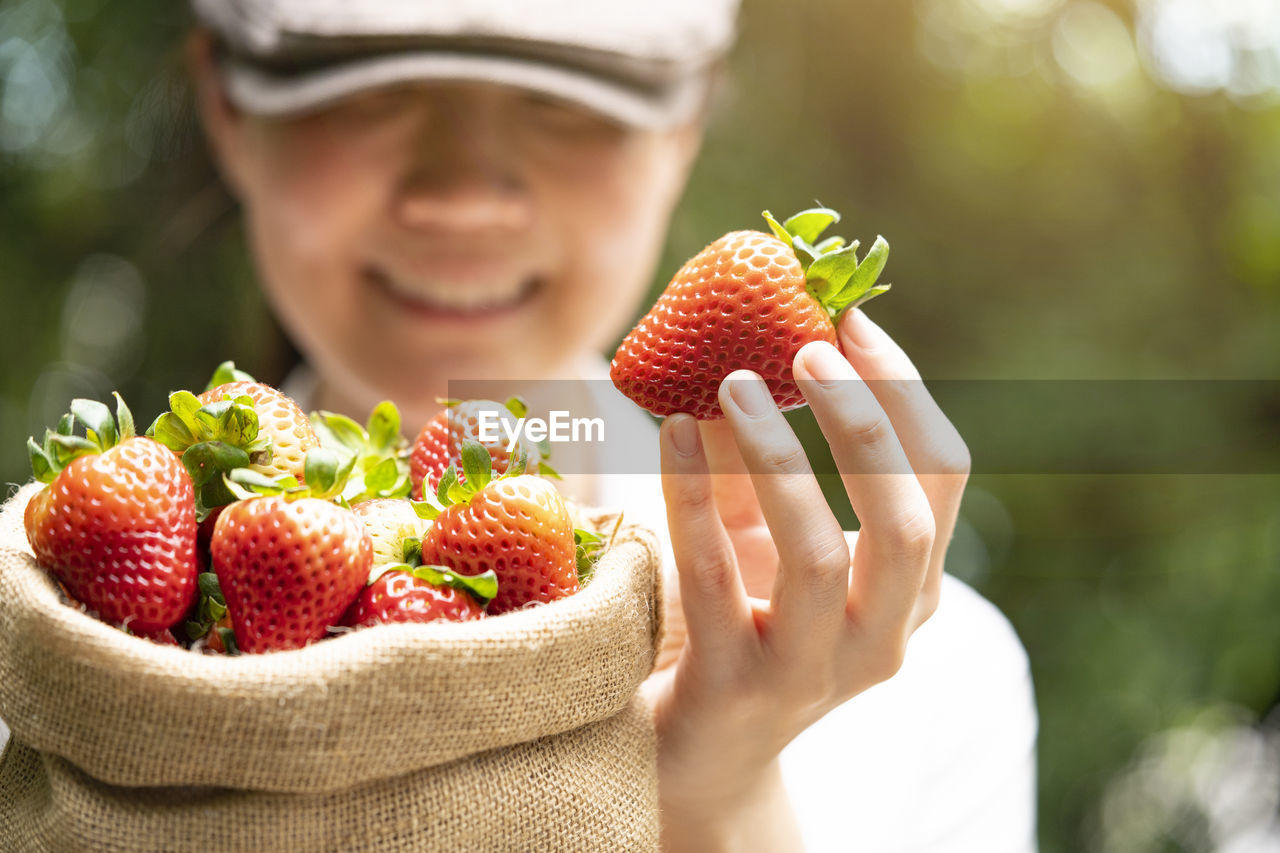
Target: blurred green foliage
(1063, 199)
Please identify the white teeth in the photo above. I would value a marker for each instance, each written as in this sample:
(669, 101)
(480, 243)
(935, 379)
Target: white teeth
(459, 297)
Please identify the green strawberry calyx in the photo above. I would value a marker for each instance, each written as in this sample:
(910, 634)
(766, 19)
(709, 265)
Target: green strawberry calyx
(225, 374)
(833, 274)
(483, 587)
(379, 453)
(477, 469)
(590, 546)
(325, 476)
(517, 406)
(61, 446)
(210, 607)
(213, 438)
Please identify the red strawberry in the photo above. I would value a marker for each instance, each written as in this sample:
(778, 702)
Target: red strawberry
(288, 569)
(439, 445)
(402, 596)
(747, 301)
(516, 526)
(117, 524)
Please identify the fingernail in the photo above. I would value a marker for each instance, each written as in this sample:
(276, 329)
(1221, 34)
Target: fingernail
(859, 331)
(826, 365)
(751, 395)
(684, 435)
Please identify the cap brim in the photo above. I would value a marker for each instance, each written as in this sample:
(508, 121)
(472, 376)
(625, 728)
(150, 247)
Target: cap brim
(258, 91)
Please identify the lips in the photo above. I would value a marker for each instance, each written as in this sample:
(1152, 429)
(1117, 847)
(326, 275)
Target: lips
(457, 299)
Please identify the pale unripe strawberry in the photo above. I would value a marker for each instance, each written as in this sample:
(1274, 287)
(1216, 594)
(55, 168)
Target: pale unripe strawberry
(389, 522)
(280, 420)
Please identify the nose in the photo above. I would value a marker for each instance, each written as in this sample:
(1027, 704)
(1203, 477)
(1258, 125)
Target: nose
(465, 176)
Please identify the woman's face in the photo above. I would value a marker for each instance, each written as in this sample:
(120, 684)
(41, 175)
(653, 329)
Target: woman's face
(429, 233)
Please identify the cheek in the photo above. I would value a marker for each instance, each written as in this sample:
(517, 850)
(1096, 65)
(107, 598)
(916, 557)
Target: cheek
(309, 201)
(315, 187)
(630, 207)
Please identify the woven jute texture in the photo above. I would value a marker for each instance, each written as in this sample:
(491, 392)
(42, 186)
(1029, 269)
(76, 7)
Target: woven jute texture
(519, 732)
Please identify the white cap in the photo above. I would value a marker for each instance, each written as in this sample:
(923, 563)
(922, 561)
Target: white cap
(644, 63)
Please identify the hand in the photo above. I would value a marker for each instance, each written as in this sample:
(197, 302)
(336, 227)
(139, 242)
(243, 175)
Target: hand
(748, 519)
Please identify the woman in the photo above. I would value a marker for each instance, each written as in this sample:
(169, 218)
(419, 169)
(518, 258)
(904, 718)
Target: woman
(480, 192)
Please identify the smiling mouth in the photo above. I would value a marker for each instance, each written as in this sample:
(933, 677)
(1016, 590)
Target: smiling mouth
(444, 299)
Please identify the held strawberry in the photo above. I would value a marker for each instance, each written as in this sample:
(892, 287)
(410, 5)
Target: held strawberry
(439, 444)
(116, 526)
(516, 526)
(747, 301)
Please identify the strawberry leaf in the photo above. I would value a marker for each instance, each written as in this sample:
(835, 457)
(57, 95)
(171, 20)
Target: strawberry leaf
(41, 465)
(206, 463)
(225, 373)
(448, 481)
(777, 228)
(483, 587)
(124, 418)
(829, 273)
(429, 508)
(519, 462)
(98, 421)
(863, 279)
(210, 606)
(384, 426)
(338, 432)
(808, 225)
(247, 483)
(517, 407)
(62, 449)
(325, 472)
(588, 547)
(378, 454)
(184, 404)
(228, 638)
(383, 477)
(870, 294)
(207, 458)
(547, 471)
(477, 465)
(411, 550)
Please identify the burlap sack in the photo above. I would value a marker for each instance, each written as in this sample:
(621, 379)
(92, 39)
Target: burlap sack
(514, 733)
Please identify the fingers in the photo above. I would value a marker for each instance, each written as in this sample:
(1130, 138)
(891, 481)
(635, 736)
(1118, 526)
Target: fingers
(934, 448)
(898, 528)
(717, 613)
(813, 584)
(729, 478)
